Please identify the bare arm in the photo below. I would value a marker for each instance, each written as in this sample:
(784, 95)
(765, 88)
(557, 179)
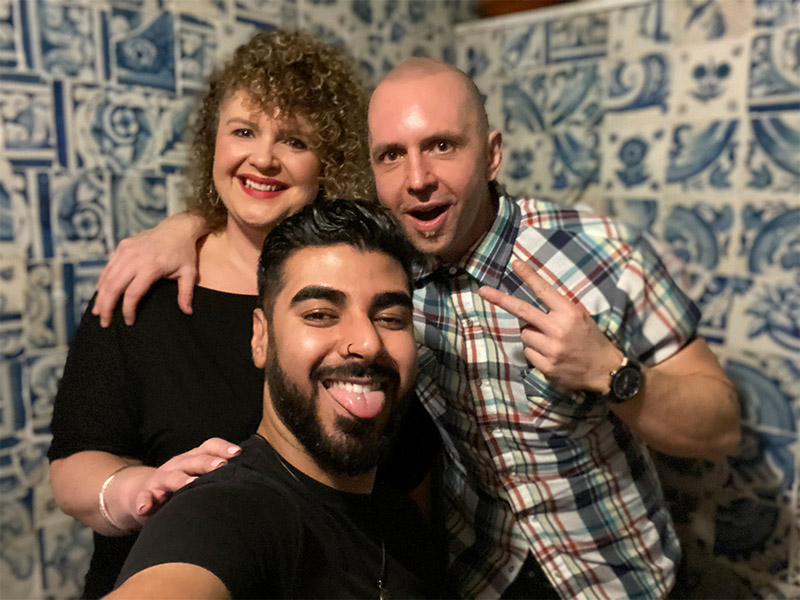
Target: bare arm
(136, 492)
(167, 250)
(687, 407)
(172, 580)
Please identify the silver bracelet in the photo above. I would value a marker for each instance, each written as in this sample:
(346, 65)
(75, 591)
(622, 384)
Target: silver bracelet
(102, 500)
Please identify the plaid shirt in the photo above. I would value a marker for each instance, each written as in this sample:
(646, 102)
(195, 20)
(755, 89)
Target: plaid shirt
(534, 468)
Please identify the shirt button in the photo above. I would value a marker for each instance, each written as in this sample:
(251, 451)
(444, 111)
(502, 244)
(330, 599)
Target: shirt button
(452, 270)
(489, 429)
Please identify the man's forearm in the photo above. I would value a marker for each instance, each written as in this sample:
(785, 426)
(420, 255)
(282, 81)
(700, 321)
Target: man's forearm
(687, 406)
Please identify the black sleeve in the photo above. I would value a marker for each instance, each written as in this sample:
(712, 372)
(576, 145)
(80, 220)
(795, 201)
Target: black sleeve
(413, 451)
(94, 407)
(229, 530)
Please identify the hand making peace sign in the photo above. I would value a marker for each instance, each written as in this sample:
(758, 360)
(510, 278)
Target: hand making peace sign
(565, 344)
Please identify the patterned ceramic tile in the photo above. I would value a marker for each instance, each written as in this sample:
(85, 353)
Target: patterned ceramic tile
(633, 158)
(774, 79)
(141, 47)
(639, 213)
(703, 157)
(773, 153)
(767, 386)
(554, 98)
(79, 283)
(768, 317)
(120, 129)
(267, 13)
(20, 569)
(715, 296)
(710, 80)
(23, 461)
(67, 41)
(177, 187)
(770, 235)
(28, 109)
(526, 158)
(479, 52)
(692, 21)
(578, 37)
(66, 548)
(775, 13)
(198, 50)
(634, 28)
(524, 48)
(44, 323)
(10, 42)
(555, 166)
(638, 82)
(43, 371)
(16, 221)
(794, 540)
(753, 533)
(80, 213)
(138, 201)
(12, 305)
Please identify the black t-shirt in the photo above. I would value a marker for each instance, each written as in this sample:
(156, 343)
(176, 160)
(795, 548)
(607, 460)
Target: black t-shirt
(268, 531)
(157, 389)
(169, 383)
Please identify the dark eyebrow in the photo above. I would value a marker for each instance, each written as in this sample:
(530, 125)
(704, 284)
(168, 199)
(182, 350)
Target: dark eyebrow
(444, 136)
(319, 292)
(387, 299)
(382, 149)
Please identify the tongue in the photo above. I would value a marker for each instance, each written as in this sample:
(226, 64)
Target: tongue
(365, 405)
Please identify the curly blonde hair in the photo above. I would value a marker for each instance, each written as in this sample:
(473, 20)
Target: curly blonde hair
(295, 74)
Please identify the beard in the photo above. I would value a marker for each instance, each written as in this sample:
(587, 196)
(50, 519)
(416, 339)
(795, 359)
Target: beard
(358, 444)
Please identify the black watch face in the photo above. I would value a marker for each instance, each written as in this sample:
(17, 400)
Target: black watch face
(626, 382)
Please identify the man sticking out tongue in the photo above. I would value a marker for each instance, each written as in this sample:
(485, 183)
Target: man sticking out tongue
(299, 513)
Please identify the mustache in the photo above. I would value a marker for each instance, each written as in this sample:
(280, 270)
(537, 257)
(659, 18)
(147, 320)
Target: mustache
(356, 369)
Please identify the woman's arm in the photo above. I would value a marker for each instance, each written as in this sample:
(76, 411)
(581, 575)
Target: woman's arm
(167, 250)
(172, 580)
(135, 492)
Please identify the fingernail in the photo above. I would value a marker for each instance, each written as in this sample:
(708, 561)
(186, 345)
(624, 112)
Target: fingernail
(234, 450)
(140, 509)
(218, 463)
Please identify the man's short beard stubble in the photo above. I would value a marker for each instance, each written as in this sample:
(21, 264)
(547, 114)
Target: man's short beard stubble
(360, 444)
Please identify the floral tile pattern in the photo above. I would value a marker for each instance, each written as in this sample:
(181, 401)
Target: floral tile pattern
(691, 131)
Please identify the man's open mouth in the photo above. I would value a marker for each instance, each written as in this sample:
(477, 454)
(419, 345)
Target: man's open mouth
(428, 214)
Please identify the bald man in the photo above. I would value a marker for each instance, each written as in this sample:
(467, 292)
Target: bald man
(555, 349)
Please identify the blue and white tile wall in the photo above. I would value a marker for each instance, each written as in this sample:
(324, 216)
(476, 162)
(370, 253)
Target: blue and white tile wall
(94, 100)
(680, 116)
(683, 118)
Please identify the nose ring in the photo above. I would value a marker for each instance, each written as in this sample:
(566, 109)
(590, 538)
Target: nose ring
(348, 348)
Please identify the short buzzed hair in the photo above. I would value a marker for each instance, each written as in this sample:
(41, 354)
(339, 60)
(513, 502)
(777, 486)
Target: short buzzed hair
(364, 225)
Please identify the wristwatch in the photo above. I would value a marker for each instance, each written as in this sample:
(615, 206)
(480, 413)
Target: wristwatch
(625, 381)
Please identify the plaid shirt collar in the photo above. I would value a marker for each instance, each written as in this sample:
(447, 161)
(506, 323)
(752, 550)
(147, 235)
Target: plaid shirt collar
(489, 258)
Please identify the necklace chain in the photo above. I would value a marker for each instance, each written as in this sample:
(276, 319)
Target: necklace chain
(382, 579)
